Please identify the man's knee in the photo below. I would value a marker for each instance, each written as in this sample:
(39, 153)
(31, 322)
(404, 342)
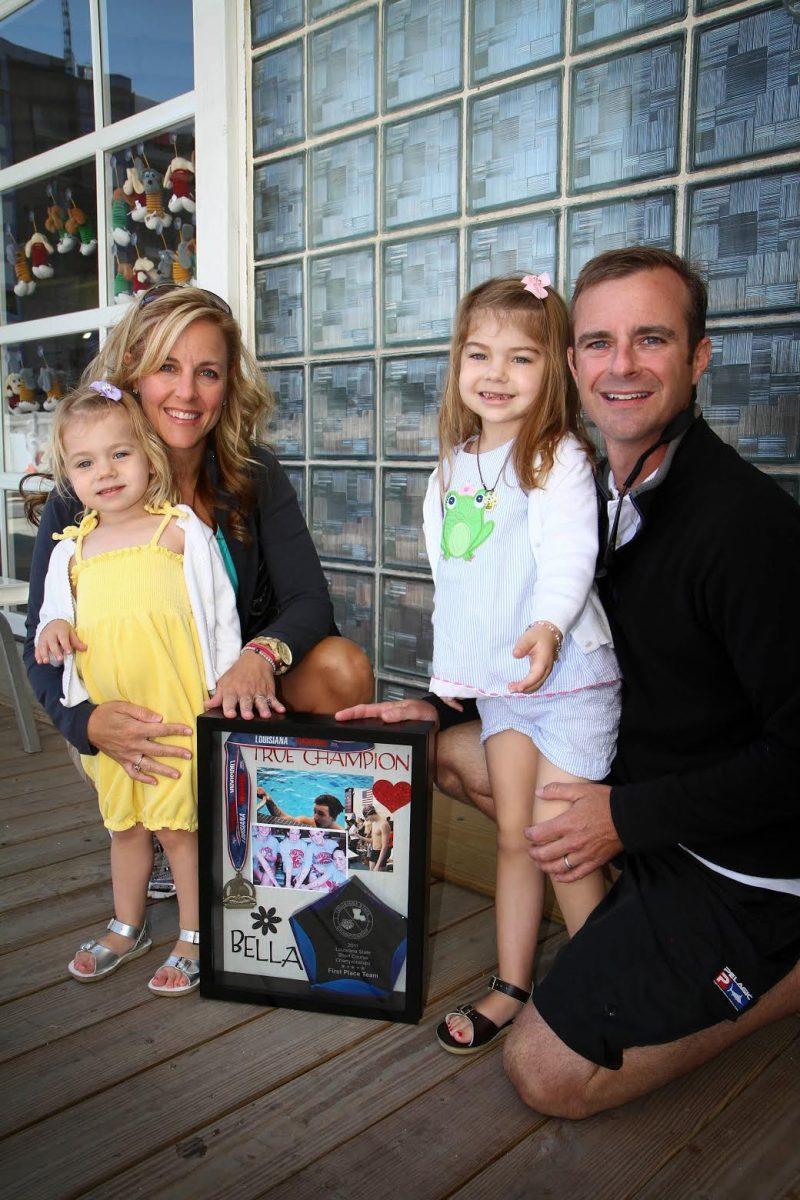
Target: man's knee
(548, 1076)
(461, 767)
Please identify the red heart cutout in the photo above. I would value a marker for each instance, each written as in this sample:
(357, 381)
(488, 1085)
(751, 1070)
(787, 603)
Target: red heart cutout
(391, 795)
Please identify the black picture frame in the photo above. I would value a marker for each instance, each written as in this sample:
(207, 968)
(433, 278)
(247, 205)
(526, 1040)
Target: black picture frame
(294, 918)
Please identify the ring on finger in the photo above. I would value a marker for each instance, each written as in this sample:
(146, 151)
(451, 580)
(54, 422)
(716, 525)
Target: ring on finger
(567, 863)
(263, 696)
(137, 766)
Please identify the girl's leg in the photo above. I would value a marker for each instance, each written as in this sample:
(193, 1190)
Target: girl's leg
(131, 863)
(181, 850)
(513, 762)
(576, 900)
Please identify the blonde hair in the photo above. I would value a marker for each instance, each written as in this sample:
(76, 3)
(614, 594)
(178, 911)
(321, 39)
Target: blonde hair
(557, 409)
(140, 345)
(85, 402)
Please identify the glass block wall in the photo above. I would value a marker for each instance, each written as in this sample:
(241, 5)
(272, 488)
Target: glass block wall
(403, 151)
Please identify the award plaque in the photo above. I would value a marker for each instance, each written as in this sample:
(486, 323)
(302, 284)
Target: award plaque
(314, 847)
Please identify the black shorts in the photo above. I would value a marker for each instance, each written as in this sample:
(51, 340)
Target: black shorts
(672, 949)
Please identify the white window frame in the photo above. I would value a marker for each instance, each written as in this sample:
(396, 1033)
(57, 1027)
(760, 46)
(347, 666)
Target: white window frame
(217, 107)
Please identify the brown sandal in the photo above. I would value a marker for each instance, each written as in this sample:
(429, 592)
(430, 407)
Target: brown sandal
(484, 1030)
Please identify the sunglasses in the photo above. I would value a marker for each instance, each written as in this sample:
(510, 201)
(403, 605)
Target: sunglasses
(163, 289)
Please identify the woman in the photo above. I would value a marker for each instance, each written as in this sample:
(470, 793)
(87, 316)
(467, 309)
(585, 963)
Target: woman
(179, 350)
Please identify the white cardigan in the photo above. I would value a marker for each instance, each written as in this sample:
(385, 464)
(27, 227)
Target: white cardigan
(211, 597)
(562, 527)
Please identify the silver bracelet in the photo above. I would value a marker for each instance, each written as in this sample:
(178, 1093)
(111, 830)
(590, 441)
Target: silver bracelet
(556, 632)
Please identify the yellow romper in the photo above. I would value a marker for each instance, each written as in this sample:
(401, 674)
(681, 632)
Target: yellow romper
(133, 613)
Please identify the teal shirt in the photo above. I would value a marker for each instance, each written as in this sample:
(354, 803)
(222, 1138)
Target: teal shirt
(228, 561)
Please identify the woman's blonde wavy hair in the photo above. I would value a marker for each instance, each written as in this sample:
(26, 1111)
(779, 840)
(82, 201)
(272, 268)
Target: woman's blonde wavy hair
(557, 412)
(140, 345)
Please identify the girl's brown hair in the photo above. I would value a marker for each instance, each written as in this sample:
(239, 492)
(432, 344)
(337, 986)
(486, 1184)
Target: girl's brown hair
(140, 344)
(85, 401)
(557, 410)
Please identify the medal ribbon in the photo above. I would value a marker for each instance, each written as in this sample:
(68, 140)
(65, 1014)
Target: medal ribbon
(237, 800)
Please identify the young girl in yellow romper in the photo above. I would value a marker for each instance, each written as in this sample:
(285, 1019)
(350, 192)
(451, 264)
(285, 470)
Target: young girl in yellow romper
(139, 608)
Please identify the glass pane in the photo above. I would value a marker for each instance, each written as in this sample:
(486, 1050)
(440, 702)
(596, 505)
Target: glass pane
(507, 35)
(625, 117)
(638, 221)
(412, 390)
(421, 168)
(343, 410)
(514, 144)
(137, 77)
(343, 66)
(50, 229)
(353, 599)
(403, 540)
(286, 432)
(747, 88)
(749, 394)
(389, 690)
(343, 190)
(319, 8)
(35, 375)
(745, 238)
(711, 5)
(406, 638)
(46, 93)
(297, 478)
(279, 310)
(420, 280)
(422, 54)
(343, 513)
(268, 18)
(598, 20)
(278, 206)
(21, 537)
(513, 246)
(278, 98)
(342, 290)
(151, 209)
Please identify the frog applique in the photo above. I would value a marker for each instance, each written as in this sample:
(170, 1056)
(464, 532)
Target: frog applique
(465, 526)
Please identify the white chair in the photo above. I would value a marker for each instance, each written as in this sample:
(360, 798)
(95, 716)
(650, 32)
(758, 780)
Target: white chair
(15, 591)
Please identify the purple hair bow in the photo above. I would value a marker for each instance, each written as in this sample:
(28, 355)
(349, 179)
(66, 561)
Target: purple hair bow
(109, 390)
(537, 285)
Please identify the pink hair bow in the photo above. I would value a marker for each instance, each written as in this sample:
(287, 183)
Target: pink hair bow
(109, 390)
(537, 285)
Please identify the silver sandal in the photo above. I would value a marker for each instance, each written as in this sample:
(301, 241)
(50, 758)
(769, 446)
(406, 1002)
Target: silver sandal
(106, 960)
(189, 966)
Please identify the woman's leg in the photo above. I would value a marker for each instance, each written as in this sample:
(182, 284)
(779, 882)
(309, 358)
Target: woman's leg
(335, 673)
(576, 900)
(131, 862)
(181, 850)
(513, 762)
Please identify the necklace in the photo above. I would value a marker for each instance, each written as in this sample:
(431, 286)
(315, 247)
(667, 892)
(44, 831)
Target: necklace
(490, 492)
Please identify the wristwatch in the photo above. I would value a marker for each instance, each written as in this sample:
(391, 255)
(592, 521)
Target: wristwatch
(275, 651)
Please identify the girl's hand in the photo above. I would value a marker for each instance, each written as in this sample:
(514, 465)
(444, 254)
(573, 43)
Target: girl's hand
(541, 645)
(57, 640)
(126, 733)
(249, 684)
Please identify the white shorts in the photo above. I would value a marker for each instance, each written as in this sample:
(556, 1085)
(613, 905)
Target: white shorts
(575, 731)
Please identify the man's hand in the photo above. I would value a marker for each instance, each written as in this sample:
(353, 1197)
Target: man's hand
(585, 833)
(391, 711)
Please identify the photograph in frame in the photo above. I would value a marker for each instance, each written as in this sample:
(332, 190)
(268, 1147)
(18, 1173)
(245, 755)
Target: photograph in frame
(314, 854)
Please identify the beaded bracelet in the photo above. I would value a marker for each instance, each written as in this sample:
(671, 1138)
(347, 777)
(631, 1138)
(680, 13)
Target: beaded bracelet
(276, 653)
(556, 632)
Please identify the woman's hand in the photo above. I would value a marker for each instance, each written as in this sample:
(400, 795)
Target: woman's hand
(126, 733)
(56, 641)
(249, 684)
(391, 711)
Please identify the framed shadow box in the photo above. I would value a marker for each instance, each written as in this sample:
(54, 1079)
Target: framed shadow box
(314, 849)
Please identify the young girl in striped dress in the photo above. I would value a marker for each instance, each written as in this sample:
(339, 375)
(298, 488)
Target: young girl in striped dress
(510, 525)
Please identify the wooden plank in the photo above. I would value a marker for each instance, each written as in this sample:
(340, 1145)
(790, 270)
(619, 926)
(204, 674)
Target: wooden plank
(36, 967)
(37, 921)
(54, 849)
(615, 1153)
(23, 783)
(750, 1149)
(48, 807)
(54, 756)
(48, 885)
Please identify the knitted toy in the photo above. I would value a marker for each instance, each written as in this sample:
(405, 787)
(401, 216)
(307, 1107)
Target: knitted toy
(12, 390)
(27, 391)
(123, 283)
(50, 384)
(143, 274)
(55, 219)
(133, 188)
(164, 268)
(26, 284)
(78, 223)
(120, 211)
(38, 250)
(156, 218)
(183, 261)
(180, 180)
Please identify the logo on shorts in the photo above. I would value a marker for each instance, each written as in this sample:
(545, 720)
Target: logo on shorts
(733, 989)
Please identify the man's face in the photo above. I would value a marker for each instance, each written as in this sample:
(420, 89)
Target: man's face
(630, 358)
(322, 816)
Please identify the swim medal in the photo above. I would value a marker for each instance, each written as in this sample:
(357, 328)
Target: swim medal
(238, 892)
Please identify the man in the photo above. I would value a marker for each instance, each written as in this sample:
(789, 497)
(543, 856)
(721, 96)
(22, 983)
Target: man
(326, 809)
(379, 833)
(697, 943)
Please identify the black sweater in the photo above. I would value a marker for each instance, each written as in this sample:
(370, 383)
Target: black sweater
(704, 605)
(282, 591)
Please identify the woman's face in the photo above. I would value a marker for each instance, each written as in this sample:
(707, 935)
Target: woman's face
(183, 399)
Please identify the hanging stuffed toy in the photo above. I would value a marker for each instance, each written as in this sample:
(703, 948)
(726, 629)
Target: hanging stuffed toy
(78, 223)
(143, 274)
(12, 388)
(120, 211)
(55, 216)
(15, 255)
(133, 188)
(183, 262)
(27, 391)
(50, 384)
(164, 268)
(39, 250)
(179, 179)
(156, 218)
(123, 282)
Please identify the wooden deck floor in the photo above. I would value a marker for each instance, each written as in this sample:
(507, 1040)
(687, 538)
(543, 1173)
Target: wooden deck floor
(109, 1092)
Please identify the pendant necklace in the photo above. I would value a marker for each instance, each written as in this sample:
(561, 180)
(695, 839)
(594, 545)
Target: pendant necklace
(490, 492)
